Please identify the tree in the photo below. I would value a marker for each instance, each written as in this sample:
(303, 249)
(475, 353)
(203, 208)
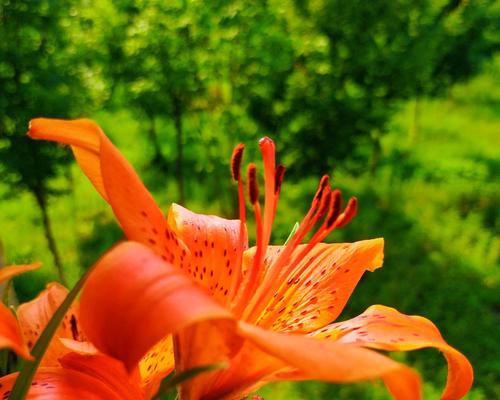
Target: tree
(45, 70)
(338, 69)
(160, 66)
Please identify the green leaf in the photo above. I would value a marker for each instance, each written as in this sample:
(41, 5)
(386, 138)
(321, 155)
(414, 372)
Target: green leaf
(171, 381)
(294, 229)
(29, 368)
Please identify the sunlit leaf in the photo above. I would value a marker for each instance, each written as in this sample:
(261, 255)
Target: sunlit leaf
(172, 380)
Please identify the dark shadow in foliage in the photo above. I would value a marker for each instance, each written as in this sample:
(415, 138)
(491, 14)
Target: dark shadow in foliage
(105, 233)
(489, 205)
(201, 186)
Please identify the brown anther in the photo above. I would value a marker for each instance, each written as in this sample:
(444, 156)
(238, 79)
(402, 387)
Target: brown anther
(325, 203)
(324, 182)
(236, 159)
(349, 212)
(334, 212)
(278, 178)
(253, 186)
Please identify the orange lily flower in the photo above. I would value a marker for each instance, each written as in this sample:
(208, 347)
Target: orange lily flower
(73, 368)
(10, 335)
(271, 306)
(96, 377)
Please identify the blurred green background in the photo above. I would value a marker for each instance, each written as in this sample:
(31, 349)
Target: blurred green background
(398, 99)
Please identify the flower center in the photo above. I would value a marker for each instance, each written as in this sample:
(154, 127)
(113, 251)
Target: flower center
(252, 290)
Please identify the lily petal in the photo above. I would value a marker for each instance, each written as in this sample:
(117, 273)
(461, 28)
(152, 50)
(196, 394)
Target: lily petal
(156, 365)
(334, 362)
(320, 285)
(385, 328)
(34, 316)
(81, 377)
(134, 299)
(215, 246)
(115, 179)
(11, 271)
(248, 370)
(10, 334)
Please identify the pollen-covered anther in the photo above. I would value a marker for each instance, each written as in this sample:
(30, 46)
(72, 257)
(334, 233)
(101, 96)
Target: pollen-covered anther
(278, 178)
(236, 159)
(334, 211)
(323, 183)
(253, 186)
(348, 214)
(325, 203)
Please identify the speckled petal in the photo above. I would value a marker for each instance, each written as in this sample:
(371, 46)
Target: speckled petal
(384, 328)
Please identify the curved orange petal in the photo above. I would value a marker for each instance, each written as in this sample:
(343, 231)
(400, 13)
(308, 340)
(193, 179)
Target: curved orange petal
(83, 135)
(133, 299)
(334, 362)
(320, 285)
(385, 328)
(215, 247)
(33, 316)
(11, 271)
(81, 377)
(116, 180)
(248, 370)
(10, 335)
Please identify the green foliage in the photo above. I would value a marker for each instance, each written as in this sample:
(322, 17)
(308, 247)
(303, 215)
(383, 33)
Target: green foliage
(353, 60)
(44, 70)
(48, 67)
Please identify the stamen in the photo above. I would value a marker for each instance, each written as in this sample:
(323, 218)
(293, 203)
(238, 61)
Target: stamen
(323, 183)
(335, 209)
(268, 151)
(348, 214)
(253, 186)
(236, 161)
(332, 221)
(253, 275)
(324, 205)
(278, 181)
(278, 178)
(275, 272)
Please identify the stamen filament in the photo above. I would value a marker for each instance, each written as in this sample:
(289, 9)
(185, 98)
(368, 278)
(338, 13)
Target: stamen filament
(253, 275)
(267, 150)
(275, 275)
(236, 160)
(326, 228)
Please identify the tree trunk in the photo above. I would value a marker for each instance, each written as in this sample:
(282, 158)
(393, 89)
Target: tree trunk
(41, 200)
(177, 114)
(158, 158)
